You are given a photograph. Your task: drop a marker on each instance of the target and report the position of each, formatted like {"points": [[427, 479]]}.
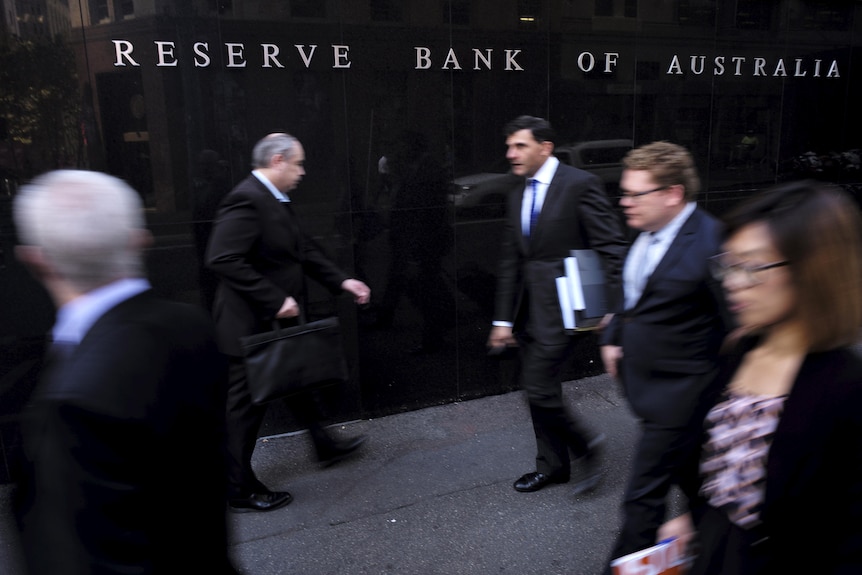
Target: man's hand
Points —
{"points": [[361, 293], [288, 309], [606, 319], [611, 356], [501, 337], [680, 527]]}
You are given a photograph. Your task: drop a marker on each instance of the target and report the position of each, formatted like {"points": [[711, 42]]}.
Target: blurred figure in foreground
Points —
{"points": [[124, 435], [663, 343], [780, 464]]}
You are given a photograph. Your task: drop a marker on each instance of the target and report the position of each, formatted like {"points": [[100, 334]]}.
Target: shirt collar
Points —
{"points": [[671, 229], [545, 174], [76, 318], [279, 195]]}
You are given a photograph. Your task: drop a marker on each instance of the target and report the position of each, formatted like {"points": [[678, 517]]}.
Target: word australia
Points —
{"points": [[739, 66]]}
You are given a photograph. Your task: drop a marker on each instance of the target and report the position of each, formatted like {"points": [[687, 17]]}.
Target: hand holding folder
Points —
{"points": [[582, 293]]}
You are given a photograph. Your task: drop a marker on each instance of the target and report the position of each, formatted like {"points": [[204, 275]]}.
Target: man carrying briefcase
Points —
{"points": [[261, 257]]}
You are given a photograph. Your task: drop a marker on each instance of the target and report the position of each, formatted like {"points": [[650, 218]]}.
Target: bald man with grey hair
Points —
{"points": [[88, 224], [269, 146], [132, 380], [262, 258]]}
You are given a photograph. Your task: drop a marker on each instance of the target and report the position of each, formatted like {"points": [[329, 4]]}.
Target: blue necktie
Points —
{"points": [[534, 213]]}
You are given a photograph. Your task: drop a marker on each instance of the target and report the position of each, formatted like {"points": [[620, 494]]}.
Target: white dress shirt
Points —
{"points": [[76, 318], [279, 195], [543, 178], [647, 251]]}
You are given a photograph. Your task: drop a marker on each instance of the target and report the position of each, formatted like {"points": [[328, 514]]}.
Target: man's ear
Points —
{"points": [[675, 195], [34, 260], [141, 239]]}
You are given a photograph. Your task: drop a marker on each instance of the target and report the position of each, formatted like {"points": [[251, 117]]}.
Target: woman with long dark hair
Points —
{"points": [[780, 464]]}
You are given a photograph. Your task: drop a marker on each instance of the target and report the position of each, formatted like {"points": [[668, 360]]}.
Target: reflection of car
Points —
{"points": [[601, 157], [486, 191]]}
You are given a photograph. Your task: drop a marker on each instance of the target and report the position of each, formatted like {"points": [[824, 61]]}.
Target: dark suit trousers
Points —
{"points": [[655, 468], [556, 430], [243, 424]]}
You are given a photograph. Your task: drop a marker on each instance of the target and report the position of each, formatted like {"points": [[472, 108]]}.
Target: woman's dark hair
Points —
{"points": [[817, 228]]}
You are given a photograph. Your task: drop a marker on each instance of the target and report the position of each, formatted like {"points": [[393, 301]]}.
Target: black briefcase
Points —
{"points": [[286, 361]]}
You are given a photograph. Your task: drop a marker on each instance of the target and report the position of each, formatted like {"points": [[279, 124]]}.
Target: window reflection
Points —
{"points": [[307, 9], [821, 15], [529, 12], [696, 12], [386, 11], [457, 12], [755, 14]]}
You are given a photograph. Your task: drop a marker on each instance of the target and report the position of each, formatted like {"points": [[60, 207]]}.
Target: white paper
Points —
{"points": [[565, 303], [575, 289]]}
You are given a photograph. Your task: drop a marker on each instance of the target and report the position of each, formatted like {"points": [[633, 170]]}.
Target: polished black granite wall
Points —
{"points": [[400, 107]]}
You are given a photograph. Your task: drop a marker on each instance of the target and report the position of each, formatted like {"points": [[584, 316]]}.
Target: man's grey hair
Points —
{"points": [[270, 146], [86, 224]]}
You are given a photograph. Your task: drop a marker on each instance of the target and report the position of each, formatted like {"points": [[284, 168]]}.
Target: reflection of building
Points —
{"points": [[8, 18], [215, 75], [41, 19], [602, 84]]}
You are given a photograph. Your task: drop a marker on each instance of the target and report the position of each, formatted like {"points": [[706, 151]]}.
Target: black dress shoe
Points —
{"points": [[535, 481], [260, 501], [340, 450]]}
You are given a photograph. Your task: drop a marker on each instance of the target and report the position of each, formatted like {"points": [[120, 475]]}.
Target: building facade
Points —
{"points": [[171, 96]]}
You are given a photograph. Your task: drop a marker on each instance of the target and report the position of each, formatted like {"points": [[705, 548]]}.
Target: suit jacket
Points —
{"points": [[812, 508], [671, 337], [576, 214], [261, 256], [124, 442]]}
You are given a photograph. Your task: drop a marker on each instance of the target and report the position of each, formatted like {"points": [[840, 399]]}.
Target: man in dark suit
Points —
{"points": [[556, 209], [261, 256], [124, 435], [664, 342]]}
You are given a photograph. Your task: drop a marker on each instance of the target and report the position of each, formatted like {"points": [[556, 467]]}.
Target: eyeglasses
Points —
{"points": [[637, 195], [721, 270]]}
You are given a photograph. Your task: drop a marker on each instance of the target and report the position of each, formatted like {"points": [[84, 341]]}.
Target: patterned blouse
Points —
{"points": [[733, 463]]}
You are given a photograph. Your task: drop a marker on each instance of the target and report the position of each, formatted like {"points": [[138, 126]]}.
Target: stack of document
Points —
{"points": [[666, 558], [582, 294]]}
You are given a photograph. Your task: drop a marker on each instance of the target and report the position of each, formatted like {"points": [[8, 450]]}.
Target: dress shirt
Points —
{"points": [[543, 178], [279, 195], [646, 253], [76, 318]]}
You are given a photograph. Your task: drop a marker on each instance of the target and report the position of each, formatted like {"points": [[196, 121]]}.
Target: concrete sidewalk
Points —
{"points": [[430, 493]]}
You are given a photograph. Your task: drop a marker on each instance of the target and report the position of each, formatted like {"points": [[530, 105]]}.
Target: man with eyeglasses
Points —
{"points": [[662, 346]]}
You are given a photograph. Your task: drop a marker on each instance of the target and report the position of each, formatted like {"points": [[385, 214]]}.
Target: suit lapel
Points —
{"points": [[293, 226], [675, 251], [284, 215], [516, 201], [55, 380], [552, 198]]}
